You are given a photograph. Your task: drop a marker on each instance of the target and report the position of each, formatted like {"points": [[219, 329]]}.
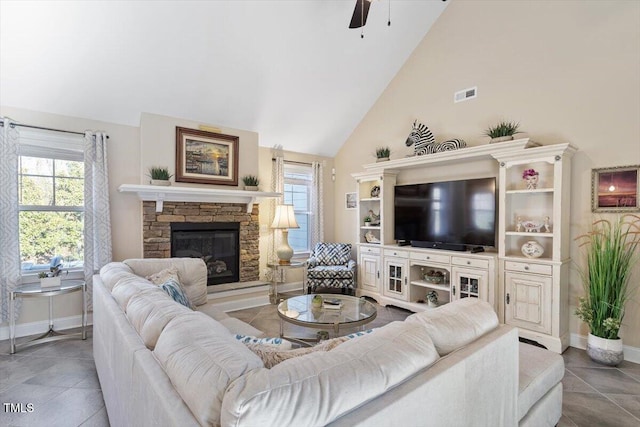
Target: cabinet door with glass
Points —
{"points": [[395, 278], [469, 283]]}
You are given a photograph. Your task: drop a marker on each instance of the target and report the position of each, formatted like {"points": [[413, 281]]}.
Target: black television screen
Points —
{"points": [[451, 212]]}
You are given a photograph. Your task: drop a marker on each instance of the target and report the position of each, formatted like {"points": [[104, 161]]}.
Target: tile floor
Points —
{"points": [[59, 378]]}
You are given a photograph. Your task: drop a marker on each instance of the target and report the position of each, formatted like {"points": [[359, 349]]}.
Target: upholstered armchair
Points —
{"points": [[331, 266]]}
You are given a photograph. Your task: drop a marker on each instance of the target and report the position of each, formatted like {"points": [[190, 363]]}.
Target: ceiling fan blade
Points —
{"points": [[359, 18]]}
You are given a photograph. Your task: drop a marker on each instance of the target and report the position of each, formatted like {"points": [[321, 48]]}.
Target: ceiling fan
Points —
{"points": [[360, 13]]}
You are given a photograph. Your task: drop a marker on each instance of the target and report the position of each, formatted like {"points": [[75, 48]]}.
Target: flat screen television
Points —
{"points": [[446, 215]]}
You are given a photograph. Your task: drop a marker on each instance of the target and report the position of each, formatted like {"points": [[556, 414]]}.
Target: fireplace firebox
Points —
{"points": [[216, 243]]}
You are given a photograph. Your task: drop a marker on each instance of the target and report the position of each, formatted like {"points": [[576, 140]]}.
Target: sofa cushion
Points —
{"points": [[330, 271], [111, 273], [127, 287], [272, 342], [540, 371], [202, 358], [457, 324], [149, 313], [317, 388], [176, 292], [192, 273]]}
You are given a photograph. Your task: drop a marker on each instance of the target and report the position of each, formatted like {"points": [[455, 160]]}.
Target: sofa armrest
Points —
{"points": [[351, 265], [312, 262]]}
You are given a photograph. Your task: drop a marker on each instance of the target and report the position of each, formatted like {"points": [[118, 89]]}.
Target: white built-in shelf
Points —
{"points": [[425, 284], [160, 194], [480, 152], [370, 227], [371, 199], [524, 233], [537, 190]]}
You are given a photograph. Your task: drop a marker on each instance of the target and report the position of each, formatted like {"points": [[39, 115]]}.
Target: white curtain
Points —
{"points": [[97, 223], [9, 238], [277, 185], [317, 208]]}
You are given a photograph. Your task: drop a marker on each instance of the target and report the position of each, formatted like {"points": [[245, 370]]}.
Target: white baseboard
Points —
{"points": [[42, 326], [631, 354]]}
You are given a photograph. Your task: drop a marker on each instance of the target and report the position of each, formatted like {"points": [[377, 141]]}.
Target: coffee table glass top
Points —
{"points": [[300, 310]]}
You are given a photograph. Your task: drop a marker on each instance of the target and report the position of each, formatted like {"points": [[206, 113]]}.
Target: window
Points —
{"points": [[297, 191], [51, 204]]}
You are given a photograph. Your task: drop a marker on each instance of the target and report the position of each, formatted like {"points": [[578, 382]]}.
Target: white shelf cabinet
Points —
{"points": [[369, 269], [375, 196], [534, 291]]}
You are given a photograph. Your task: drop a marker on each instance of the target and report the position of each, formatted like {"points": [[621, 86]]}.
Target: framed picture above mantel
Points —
{"points": [[206, 157], [615, 189]]}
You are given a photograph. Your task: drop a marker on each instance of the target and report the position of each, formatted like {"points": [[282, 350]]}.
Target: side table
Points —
{"points": [[34, 290], [276, 268]]}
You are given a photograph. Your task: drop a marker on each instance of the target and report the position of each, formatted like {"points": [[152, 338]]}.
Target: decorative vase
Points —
{"points": [[251, 188], [501, 139], [531, 182], [606, 351], [367, 223], [432, 303], [532, 249], [161, 182], [316, 302]]}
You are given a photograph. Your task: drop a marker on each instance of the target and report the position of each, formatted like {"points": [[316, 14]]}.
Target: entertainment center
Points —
{"points": [[524, 276]]}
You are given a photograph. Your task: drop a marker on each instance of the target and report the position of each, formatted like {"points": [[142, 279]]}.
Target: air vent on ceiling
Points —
{"points": [[465, 94]]}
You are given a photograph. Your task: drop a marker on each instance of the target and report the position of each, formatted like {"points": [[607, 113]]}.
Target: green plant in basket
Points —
{"points": [[250, 180], [611, 250], [159, 173], [383, 152], [502, 129]]}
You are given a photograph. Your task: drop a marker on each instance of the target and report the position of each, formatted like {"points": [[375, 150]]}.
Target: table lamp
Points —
{"points": [[284, 219]]}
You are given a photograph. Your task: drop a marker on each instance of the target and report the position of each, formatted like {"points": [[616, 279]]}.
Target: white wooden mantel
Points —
{"points": [[159, 194]]}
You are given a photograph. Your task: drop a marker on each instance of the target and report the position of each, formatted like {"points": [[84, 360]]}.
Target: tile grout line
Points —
{"points": [[600, 393]]}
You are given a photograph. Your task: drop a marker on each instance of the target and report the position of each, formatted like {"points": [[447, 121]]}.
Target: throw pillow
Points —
{"points": [[162, 276], [175, 291], [273, 342]]}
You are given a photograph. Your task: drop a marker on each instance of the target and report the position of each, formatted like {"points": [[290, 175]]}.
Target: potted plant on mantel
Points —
{"points": [[382, 154], [159, 176], [250, 182], [611, 252], [503, 131]]}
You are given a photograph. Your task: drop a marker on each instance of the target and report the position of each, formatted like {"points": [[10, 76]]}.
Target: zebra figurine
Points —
{"points": [[425, 143], [422, 137]]}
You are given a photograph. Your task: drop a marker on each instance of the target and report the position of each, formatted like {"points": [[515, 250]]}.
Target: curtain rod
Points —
{"points": [[51, 129], [293, 162]]}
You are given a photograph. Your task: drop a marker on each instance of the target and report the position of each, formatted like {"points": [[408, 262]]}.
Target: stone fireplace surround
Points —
{"points": [[156, 229]]}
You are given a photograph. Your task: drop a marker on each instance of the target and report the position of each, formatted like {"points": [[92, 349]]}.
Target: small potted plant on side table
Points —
{"points": [[51, 279]]}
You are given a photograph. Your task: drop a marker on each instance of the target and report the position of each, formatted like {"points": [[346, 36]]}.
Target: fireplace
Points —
{"points": [[216, 243]]}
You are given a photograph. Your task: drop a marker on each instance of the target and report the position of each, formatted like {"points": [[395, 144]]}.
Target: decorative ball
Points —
{"points": [[532, 249]]}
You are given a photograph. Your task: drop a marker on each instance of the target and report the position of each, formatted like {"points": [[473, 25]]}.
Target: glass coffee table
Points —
{"points": [[299, 310]]}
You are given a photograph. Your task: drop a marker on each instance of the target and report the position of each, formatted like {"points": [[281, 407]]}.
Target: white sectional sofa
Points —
{"points": [[163, 364]]}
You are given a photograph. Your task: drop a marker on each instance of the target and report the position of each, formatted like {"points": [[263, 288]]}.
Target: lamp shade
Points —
{"points": [[284, 217]]}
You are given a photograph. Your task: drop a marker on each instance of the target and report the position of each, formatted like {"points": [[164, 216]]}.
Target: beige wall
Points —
{"points": [[568, 71]]}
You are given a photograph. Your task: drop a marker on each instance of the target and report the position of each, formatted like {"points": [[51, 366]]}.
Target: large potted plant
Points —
{"points": [[611, 250]]}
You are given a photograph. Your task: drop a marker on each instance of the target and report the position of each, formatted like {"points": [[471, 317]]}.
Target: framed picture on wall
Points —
{"points": [[615, 189], [351, 200], [206, 157]]}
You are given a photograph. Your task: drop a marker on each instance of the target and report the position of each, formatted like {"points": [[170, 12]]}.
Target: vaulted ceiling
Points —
{"points": [[290, 70]]}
